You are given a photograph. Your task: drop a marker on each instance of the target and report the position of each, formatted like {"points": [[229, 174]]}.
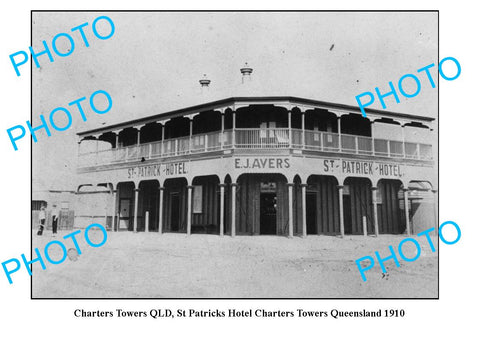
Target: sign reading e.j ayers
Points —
{"points": [[262, 163], [157, 170]]}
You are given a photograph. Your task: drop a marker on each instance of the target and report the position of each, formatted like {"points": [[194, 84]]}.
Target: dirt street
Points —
{"points": [[139, 265]]}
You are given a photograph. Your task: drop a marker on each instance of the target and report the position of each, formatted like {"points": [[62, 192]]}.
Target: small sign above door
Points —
{"points": [[268, 187]]}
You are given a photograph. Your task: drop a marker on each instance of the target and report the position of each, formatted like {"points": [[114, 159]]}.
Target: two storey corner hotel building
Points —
{"points": [[264, 165]]}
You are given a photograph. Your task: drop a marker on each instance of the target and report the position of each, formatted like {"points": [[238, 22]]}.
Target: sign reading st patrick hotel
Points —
{"points": [[333, 166], [158, 170]]}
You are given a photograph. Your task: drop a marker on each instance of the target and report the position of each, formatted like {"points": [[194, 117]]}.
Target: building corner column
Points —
{"points": [[375, 210], [290, 129], [290, 209], [339, 128], [303, 130], [96, 150], [190, 136], [304, 210], [222, 135], [138, 135], [114, 208], [340, 204], [160, 210], [189, 209], [135, 214], [222, 209], [372, 137], [162, 149], [234, 126], [234, 202], [407, 213]]}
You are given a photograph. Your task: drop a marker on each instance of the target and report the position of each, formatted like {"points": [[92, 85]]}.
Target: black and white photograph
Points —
{"points": [[237, 171], [226, 156]]}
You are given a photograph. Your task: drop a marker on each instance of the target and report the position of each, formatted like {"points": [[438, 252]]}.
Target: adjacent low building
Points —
{"points": [[63, 199]]}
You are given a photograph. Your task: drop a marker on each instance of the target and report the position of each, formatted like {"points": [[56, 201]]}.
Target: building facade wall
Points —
{"points": [[278, 165], [321, 176]]}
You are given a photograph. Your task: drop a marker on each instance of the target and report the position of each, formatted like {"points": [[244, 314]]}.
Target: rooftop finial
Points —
{"points": [[204, 82], [246, 72]]}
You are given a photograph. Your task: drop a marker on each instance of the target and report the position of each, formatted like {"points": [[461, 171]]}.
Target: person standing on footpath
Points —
{"points": [[41, 216], [54, 220]]}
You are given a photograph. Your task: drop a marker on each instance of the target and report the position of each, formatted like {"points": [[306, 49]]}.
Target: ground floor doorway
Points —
{"points": [[268, 213]]}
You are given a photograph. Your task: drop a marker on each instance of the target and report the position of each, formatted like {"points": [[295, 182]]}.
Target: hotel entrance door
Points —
{"points": [[268, 213]]}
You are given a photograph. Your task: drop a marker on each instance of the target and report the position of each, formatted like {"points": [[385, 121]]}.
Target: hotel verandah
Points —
{"points": [[264, 165]]}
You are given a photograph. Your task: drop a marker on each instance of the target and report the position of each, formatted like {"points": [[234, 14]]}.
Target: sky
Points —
{"points": [[154, 60]]}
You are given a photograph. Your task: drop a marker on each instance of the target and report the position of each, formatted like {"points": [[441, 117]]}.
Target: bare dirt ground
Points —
{"points": [[152, 265]]}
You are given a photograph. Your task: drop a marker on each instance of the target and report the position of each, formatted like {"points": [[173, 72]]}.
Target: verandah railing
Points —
{"points": [[272, 138]]}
